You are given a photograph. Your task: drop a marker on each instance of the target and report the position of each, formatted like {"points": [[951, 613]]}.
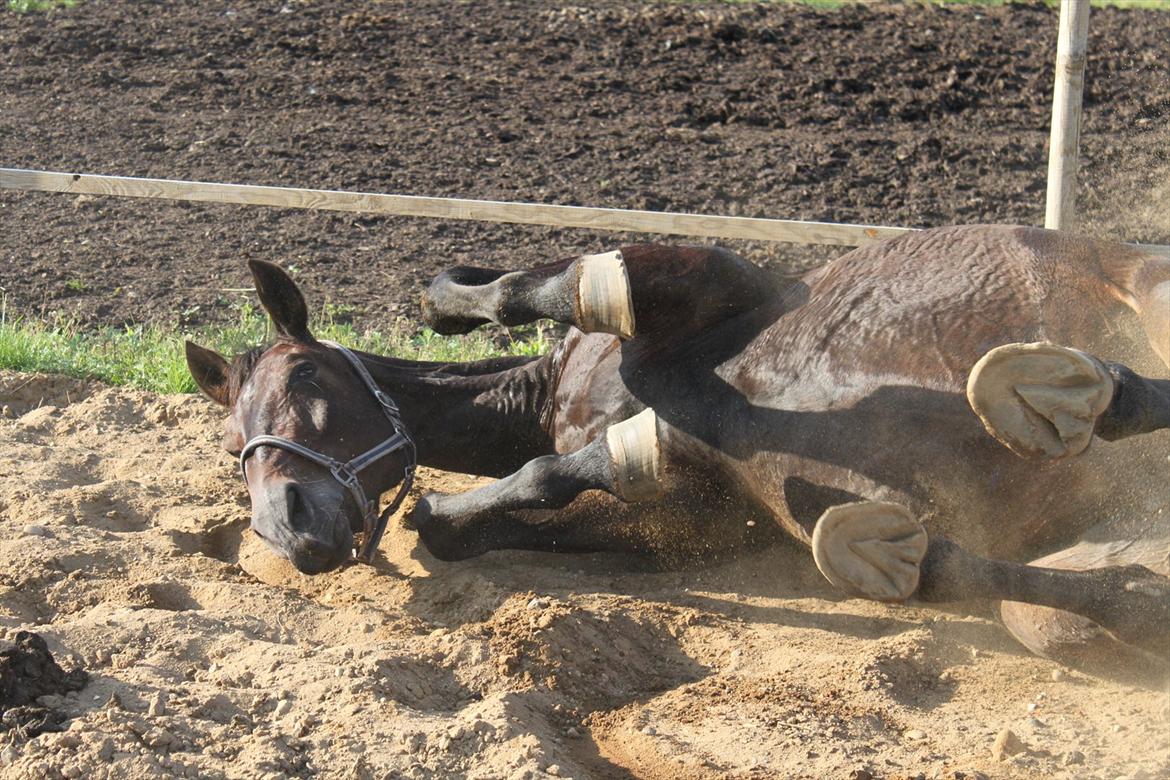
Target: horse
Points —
{"points": [[699, 403]]}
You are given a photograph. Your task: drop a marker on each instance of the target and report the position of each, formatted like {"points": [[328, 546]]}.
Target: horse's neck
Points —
{"points": [[477, 418]]}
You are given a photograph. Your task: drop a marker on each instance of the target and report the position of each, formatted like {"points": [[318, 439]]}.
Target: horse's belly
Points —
{"points": [[928, 452]]}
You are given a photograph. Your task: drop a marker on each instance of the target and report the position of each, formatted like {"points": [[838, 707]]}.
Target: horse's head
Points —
{"points": [[316, 437]]}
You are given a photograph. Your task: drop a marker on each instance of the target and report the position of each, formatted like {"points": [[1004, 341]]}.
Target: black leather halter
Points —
{"points": [[347, 473]]}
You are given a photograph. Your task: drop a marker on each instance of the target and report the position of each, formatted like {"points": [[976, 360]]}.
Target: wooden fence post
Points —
{"points": [[1064, 142]]}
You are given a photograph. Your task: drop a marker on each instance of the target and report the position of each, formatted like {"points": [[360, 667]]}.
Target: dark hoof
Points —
{"points": [[445, 300], [436, 531]]}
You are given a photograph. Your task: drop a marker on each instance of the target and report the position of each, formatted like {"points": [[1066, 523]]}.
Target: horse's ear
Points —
{"points": [[210, 371], [282, 300]]}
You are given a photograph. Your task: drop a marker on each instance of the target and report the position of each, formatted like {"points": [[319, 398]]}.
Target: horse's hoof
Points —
{"points": [[604, 304], [435, 530], [871, 549], [635, 454], [1039, 400], [451, 297]]}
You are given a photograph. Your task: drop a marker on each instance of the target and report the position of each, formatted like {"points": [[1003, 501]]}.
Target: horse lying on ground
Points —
{"points": [[695, 392]]}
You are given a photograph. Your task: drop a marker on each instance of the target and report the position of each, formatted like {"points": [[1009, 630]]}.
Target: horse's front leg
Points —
{"points": [[625, 462], [1130, 601], [652, 291]]}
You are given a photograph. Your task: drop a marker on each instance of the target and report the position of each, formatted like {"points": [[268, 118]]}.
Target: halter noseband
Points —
{"points": [[347, 473]]}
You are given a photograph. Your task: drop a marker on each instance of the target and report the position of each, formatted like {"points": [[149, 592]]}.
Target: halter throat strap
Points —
{"points": [[346, 473]]}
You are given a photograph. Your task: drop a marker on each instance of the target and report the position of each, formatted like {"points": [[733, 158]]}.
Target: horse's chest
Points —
{"points": [[589, 394]]}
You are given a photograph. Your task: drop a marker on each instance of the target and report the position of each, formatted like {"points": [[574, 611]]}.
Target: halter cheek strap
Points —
{"points": [[347, 473]]}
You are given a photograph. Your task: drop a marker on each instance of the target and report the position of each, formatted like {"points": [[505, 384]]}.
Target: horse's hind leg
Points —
{"points": [[1073, 639], [1044, 400], [880, 551], [1127, 599], [625, 462], [642, 289]]}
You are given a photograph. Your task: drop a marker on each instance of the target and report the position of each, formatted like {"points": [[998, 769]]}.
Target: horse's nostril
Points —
{"points": [[292, 497], [300, 510]]}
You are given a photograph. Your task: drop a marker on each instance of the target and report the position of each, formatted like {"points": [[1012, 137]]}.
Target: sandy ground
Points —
{"points": [[123, 531]]}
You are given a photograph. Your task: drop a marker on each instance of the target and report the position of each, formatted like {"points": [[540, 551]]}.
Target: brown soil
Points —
{"points": [[123, 531], [889, 114]]}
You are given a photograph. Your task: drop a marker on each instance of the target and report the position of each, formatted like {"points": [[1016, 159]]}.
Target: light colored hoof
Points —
{"points": [[871, 549], [634, 452], [604, 304], [1039, 400]]}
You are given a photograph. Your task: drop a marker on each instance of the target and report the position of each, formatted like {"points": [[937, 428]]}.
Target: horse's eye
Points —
{"points": [[303, 372]]}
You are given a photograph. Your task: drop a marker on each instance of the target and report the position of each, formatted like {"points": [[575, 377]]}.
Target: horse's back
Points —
{"points": [[926, 306]]}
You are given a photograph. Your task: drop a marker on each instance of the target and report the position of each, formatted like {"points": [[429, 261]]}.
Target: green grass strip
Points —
{"points": [[151, 358], [27, 6]]}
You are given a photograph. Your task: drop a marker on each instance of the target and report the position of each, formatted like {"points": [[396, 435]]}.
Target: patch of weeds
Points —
{"points": [[152, 358], [339, 312], [29, 6]]}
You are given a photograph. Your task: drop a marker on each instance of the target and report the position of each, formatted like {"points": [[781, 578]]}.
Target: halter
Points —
{"points": [[347, 473]]}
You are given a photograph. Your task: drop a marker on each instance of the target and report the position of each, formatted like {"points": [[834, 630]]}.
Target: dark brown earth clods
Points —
{"points": [[28, 672], [913, 115]]}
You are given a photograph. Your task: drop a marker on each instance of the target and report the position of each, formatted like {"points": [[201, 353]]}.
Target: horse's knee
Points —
{"points": [[1078, 642]]}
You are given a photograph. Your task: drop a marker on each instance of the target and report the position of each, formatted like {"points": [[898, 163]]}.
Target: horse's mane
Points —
{"points": [[241, 368]]}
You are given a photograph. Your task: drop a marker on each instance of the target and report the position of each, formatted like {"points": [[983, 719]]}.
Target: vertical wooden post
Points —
{"points": [[1063, 145]]}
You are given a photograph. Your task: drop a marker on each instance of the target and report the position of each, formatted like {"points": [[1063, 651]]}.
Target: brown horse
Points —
{"points": [[696, 391]]}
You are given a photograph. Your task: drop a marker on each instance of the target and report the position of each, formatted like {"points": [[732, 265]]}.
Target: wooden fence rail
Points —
{"points": [[454, 208], [667, 223]]}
